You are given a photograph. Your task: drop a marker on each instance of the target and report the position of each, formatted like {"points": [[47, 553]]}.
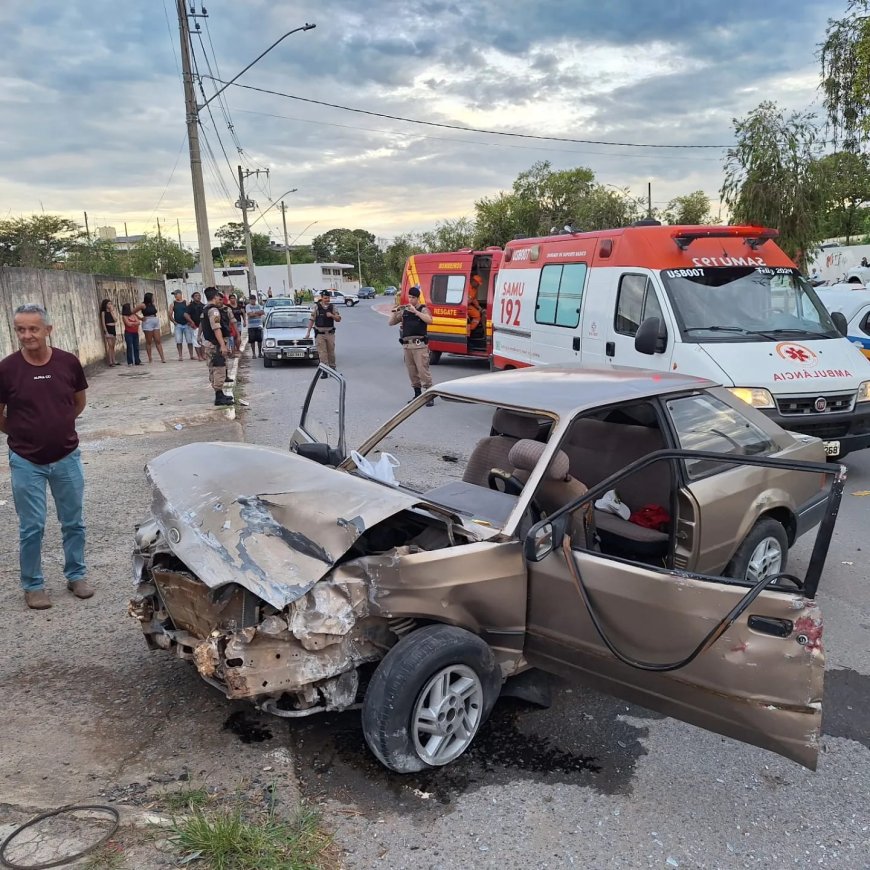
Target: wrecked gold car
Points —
{"points": [[467, 543]]}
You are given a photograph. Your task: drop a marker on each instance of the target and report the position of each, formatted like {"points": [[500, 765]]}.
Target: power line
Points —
{"points": [[171, 39], [475, 142], [466, 129], [171, 174]]}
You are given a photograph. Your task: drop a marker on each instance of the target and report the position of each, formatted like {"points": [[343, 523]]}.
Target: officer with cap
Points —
{"points": [[324, 316], [415, 319]]}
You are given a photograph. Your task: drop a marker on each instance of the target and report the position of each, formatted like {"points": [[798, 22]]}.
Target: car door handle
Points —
{"points": [[610, 348], [771, 625], [576, 342]]}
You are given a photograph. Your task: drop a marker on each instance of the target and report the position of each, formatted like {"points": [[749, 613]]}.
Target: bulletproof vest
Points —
{"points": [[321, 321], [205, 323], [412, 326]]}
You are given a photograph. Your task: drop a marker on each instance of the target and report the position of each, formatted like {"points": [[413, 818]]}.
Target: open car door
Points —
{"points": [[738, 659], [320, 433]]}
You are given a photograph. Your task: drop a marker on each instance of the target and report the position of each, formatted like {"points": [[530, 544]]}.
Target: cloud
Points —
{"points": [[93, 101]]}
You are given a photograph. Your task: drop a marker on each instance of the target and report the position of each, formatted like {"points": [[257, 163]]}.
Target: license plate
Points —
{"points": [[832, 448], [298, 353]]}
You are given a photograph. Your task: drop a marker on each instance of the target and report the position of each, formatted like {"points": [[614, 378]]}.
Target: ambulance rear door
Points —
{"points": [[636, 297]]}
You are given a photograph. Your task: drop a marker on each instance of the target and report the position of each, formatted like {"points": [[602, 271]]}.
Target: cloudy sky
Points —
{"points": [[93, 110]]}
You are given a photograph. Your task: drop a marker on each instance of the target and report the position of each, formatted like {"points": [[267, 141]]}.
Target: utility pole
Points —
{"points": [[358, 264], [649, 198], [192, 112], [178, 227], [287, 250], [245, 204], [87, 228], [159, 234]]}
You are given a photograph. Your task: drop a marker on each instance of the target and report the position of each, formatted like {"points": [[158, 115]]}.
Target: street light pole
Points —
{"points": [[192, 115], [192, 110], [287, 250], [358, 264]]}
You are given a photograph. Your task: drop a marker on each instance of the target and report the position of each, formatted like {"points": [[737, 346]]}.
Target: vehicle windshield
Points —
{"points": [[445, 453], [745, 303], [287, 320]]}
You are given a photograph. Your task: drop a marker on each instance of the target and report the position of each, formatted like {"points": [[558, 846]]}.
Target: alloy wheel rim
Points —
{"points": [[447, 714], [766, 560]]}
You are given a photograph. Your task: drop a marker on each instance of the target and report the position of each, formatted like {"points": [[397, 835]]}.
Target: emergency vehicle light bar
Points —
{"points": [[754, 236]]}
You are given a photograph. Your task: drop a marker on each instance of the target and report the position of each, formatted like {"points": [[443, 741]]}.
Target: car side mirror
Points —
{"points": [[840, 322], [651, 337], [543, 538], [321, 453]]}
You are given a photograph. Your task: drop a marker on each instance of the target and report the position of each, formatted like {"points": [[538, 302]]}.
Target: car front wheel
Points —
{"points": [[763, 553], [267, 363], [428, 698], [434, 357]]}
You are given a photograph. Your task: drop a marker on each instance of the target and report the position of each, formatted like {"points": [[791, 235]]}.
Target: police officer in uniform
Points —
{"points": [[215, 326], [324, 316], [413, 336]]}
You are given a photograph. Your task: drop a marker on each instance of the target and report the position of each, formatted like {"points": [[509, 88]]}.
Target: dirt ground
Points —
{"points": [[89, 715]]}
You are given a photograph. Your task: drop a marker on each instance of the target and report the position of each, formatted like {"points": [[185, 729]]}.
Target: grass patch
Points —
{"points": [[185, 800], [227, 840], [108, 857]]}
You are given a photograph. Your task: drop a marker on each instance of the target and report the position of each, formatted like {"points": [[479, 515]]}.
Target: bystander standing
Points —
{"points": [[254, 313], [42, 392], [132, 322], [181, 322], [107, 322], [194, 312]]}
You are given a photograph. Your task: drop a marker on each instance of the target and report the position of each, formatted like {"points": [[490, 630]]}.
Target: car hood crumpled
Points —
{"points": [[266, 519]]}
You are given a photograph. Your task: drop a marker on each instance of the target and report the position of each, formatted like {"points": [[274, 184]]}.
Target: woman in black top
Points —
{"points": [[107, 322], [150, 325]]}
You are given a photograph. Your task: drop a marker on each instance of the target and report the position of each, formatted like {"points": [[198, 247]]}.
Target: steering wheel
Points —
{"points": [[501, 481]]}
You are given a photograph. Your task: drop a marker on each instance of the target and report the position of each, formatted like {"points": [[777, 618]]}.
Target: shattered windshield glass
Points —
{"points": [[746, 303]]}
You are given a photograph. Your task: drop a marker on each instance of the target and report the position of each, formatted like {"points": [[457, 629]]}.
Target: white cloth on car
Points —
{"points": [[611, 503]]}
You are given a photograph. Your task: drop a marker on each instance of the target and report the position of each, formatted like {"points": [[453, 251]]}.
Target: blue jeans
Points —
{"points": [[131, 339], [67, 481]]}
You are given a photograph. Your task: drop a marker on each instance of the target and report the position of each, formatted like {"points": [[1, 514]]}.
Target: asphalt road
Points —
{"points": [[592, 781]]}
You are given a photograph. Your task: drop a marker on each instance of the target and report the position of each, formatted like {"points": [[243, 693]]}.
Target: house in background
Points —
{"points": [[121, 243], [305, 276]]}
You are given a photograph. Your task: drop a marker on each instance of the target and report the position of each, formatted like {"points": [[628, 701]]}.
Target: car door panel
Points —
{"points": [[322, 419], [749, 685]]}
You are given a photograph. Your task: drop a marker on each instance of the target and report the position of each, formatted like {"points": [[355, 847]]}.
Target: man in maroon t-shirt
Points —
{"points": [[42, 392]]}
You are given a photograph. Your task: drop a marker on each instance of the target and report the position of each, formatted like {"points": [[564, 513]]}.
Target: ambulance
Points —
{"points": [[854, 305], [448, 283], [723, 303]]}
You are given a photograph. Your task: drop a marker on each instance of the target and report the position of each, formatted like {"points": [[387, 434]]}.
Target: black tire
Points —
{"points": [[434, 357], [400, 680], [766, 529], [267, 363]]}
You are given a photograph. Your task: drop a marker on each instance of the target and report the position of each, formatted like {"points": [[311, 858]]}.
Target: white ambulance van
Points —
{"points": [[723, 303]]}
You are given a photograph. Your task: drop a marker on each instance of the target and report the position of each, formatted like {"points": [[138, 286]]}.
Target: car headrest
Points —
{"points": [[525, 455], [514, 425]]}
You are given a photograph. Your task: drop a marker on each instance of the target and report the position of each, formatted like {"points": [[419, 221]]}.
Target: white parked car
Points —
{"points": [[284, 335], [336, 297]]}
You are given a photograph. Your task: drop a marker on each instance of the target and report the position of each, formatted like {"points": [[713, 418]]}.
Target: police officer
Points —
{"points": [[215, 326], [324, 316], [415, 319]]}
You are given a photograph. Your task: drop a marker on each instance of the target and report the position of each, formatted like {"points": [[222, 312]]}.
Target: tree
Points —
{"points": [[396, 255], [845, 59], [38, 241], [693, 208], [154, 257], [772, 176], [99, 257], [342, 245], [232, 238], [603, 208], [449, 235], [846, 179]]}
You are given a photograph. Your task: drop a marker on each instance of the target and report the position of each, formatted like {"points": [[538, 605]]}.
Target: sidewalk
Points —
{"points": [[153, 397]]}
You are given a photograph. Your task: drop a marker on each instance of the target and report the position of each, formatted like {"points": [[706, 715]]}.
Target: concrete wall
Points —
{"points": [[72, 300]]}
